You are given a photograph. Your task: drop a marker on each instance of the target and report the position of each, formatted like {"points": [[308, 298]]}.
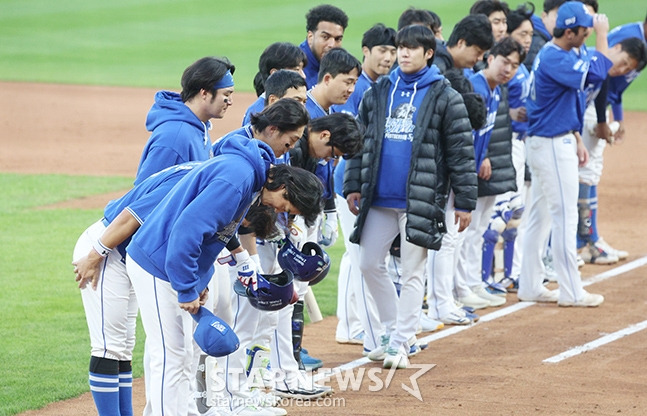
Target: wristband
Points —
{"points": [[100, 248]]}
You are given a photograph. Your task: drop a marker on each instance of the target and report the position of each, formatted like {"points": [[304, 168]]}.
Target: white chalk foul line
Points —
{"points": [[488, 318], [597, 343]]}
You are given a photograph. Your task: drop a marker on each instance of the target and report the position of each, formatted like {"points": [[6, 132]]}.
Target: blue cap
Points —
{"points": [[213, 335], [572, 14]]}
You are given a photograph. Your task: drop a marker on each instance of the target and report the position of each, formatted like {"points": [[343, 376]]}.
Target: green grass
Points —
{"points": [[148, 43]]}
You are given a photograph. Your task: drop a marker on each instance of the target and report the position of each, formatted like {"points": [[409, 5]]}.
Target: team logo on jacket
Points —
{"points": [[399, 124]]}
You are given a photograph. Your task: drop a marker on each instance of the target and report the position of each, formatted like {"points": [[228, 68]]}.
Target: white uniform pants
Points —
{"points": [[591, 173], [553, 211], [470, 252]]}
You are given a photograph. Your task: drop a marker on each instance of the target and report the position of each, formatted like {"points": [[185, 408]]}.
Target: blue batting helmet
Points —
{"points": [[274, 291], [311, 264]]}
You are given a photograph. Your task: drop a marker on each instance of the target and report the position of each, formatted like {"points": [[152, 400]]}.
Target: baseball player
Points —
{"points": [[354, 310], [277, 56], [179, 123], [543, 29], [555, 150], [325, 25], [396, 185], [170, 259]]}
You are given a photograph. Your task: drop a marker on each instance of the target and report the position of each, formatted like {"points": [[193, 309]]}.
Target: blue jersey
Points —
{"points": [[178, 136], [492, 99], [183, 235], [617, 85], [557, 81], [325, 170], [592, 89], [518, 89], [141, 200], [312, 69], [256, 107], [364, 82]]}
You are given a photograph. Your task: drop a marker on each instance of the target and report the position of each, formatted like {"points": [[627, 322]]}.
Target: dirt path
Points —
{"points": [[492, 368]]}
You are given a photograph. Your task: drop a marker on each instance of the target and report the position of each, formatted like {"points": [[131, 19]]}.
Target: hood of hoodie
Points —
{"points": [[410, 87], [540, 27], [259, 154], [168, 106]]}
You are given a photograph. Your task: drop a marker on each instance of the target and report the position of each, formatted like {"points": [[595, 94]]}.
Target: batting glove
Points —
{"points": [[247, 269], [329, 232]]}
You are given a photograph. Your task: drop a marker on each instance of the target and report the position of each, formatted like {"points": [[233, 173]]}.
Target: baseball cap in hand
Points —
{"points": [[213, 335], [572, 14]]}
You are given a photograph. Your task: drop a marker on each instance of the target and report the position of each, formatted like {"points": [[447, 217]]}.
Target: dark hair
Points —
{"points": [[286, 114], [279, 55], [346, 134], [522, 13], [378, 35], [325, 13], [487, 7], [262, 221], [280, 81], [474, 29], [636, 49], [552, 4], [413, 16], [507, 46], [474, 102], [559, 32], [302, 188], [415, 36], [593, 3], [437, 21], [203, 75], [338, 61]]}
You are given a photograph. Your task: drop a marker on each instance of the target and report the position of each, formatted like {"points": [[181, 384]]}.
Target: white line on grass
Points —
{"points": [[597, 343], [489, 317]]}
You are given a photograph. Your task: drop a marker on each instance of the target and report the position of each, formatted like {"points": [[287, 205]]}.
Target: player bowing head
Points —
{"points": [[333, 136], [503, 61], [280, 125]]}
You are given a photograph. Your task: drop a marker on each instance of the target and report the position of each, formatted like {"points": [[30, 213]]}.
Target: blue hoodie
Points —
{"points": [[141, 200], [183, 235], [405, 98], [540, 27], [178, 136], [312, 69]]}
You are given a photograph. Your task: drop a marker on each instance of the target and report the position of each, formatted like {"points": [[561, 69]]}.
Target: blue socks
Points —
{"points": [[126, 388], [104, 385]]}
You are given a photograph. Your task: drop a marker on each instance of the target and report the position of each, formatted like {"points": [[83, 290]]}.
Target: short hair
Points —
{"points": [[437, 21], [302, 188], [203, 74], [559, 32], [593, 3], [415, 36], [262, 221], [281, 81], [346, 134], [286, 114], [552, 4], [325, 13], [415, 16], [519, 15], [474, 29], [278, 55], [636, 49], [378, 35], [507, 46], [487, 7], [338, 61]]}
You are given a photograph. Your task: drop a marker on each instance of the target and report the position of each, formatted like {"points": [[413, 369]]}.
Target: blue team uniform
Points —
{"points": [[492, 99], [312, 69], [178, 136], [324, 171], [557, 107], [518, 89], [256, 107], [184, 234], [364, 82], [617, 85]]}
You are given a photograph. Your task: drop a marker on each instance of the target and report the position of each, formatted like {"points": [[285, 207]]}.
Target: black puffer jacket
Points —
{"points": [[442, 150], [499, 151]]}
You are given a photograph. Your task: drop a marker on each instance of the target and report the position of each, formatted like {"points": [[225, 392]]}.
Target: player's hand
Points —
{"points": [[602, 131], [191, 307], [620, 134], [600, 23], [485, 172], [204, 295], [353, 202], [463, 219], [247, 269], [87, 269], [329, 229], [518, 114], [582, 154]]}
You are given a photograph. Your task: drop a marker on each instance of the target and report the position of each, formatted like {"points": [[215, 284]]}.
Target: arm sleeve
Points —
{"points": [[601, 102]]}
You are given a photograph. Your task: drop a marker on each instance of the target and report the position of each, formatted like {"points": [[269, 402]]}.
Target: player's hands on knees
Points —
{"points": [[191, 307], [620, 134], [247, 269], [602, 131], [353, 202], [87, 270]]}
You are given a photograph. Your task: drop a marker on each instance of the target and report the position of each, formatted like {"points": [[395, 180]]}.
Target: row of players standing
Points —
{"points": [[405, 92]]}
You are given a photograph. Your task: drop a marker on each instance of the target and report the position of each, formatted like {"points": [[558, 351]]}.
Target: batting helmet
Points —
{"points": [[311, 264], [274, 291]]}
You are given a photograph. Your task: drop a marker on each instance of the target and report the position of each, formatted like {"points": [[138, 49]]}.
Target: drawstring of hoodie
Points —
{"points": [[392, 95]]}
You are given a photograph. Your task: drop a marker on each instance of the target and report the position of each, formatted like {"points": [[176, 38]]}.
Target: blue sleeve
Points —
{"points": [[598, 68], [142, 207], [157, 158], [199, 221], [574, 73]]}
